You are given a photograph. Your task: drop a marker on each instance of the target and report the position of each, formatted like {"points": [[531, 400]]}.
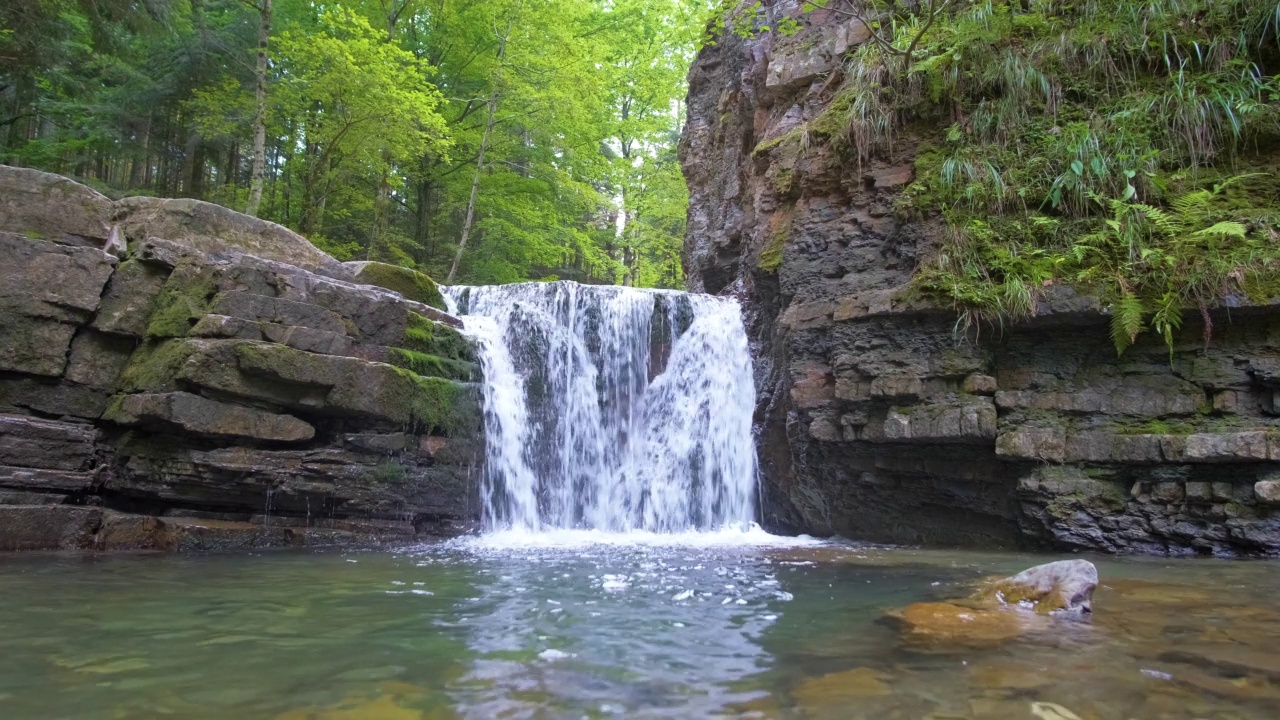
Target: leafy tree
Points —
{"points": [[502, 140]]}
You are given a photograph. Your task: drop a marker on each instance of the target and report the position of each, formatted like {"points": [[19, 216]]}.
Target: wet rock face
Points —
{"points": [[216, 385], [879, 420]]}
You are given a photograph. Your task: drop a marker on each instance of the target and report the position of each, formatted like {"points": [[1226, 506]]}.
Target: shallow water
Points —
{"points": [[737, 628]]}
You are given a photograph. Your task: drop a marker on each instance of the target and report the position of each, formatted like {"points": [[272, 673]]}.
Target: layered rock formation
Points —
{"points": [[177, 375], [880, 420]]}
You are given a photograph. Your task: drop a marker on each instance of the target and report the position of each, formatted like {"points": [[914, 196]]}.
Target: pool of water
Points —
{"points": [[521, 629]]}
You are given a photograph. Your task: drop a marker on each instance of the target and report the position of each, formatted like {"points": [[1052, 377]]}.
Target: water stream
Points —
{"points": [[626, 630], [613, 409], [620, 577]]}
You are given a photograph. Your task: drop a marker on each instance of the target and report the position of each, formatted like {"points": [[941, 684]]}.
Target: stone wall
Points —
{"points": [[174, 375], [880, 419]]}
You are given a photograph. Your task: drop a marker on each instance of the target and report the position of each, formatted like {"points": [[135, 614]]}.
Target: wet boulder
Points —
{"points": [[1029, 602], [1065, 586]]}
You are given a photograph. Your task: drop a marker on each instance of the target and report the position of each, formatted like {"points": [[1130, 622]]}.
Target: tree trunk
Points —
{"points": [[379, 246], [258, 173], [309, 223], [484, 145], [141, 156]]}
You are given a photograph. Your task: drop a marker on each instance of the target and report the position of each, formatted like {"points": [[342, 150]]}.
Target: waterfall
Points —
{"points": [[612, 408]]}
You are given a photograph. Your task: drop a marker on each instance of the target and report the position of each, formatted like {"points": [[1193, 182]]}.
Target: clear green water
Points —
{"points": [[446, 631]]}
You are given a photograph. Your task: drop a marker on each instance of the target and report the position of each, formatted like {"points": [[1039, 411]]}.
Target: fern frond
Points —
{"points": [[1191, 204], [1224, 229], [1167, 224], [1126, 322]]}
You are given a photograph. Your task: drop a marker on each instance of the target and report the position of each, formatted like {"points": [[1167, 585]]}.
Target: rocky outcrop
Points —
{"points": [[221, 383], [879, 419]]}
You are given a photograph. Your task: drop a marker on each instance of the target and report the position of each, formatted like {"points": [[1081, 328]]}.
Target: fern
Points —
{"points": [[1224, 229], [1167, 319], [1126, 322]]}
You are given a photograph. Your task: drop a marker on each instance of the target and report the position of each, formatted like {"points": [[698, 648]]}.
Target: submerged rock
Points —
{"points": [[946, 623], [831, 695], [1004, 609]]}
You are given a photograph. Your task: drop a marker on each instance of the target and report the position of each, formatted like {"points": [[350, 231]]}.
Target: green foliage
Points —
{"points": [[1090, 144], [342, 251], [375, 114]]}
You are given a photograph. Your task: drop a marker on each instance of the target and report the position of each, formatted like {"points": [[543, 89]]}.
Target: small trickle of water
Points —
{"points": [[612, 408]]}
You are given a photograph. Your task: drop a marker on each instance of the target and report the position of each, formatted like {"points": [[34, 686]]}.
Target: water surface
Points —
{"points": [[523, 629]]}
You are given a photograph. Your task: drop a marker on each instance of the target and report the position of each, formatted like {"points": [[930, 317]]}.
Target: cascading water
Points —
{"points": [[612, 408]]}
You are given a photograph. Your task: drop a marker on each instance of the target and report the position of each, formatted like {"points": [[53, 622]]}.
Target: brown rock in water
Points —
{"points": [[47, 527], [842, 688], [944, 623], [1004, 609]]}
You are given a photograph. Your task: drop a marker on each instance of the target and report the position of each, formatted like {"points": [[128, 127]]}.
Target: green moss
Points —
{"points": [[770, 258], [921, 197], [433, 338], [153, 365], [771, 253], [432, 365], [795, 135], [782, 181], [388, 472], [180, 304], [409, 283], [441, 406]]}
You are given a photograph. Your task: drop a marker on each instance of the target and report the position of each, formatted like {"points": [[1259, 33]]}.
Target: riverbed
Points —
{"points": [[572, 627]]}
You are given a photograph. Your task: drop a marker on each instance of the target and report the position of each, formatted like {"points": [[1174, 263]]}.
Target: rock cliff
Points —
{"points": [[880, 419], [175, 375]]}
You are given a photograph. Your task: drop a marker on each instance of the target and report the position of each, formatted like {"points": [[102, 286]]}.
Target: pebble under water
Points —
{"points": [[563, 625]]}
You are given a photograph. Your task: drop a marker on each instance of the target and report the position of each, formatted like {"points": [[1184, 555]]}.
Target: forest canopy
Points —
{"points": [[480, 141]]}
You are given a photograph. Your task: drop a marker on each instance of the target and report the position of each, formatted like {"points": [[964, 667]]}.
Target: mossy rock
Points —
{"points": [[153, 365], [412, 284], [441, 406], [428, 337], [432, 365], [185, 298]]}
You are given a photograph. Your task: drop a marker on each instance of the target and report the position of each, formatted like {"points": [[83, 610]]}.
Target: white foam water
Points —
{"points": [[612, 409]]}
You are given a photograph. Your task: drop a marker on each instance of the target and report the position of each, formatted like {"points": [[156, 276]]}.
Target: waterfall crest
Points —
{"points": [[612, 408]]}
